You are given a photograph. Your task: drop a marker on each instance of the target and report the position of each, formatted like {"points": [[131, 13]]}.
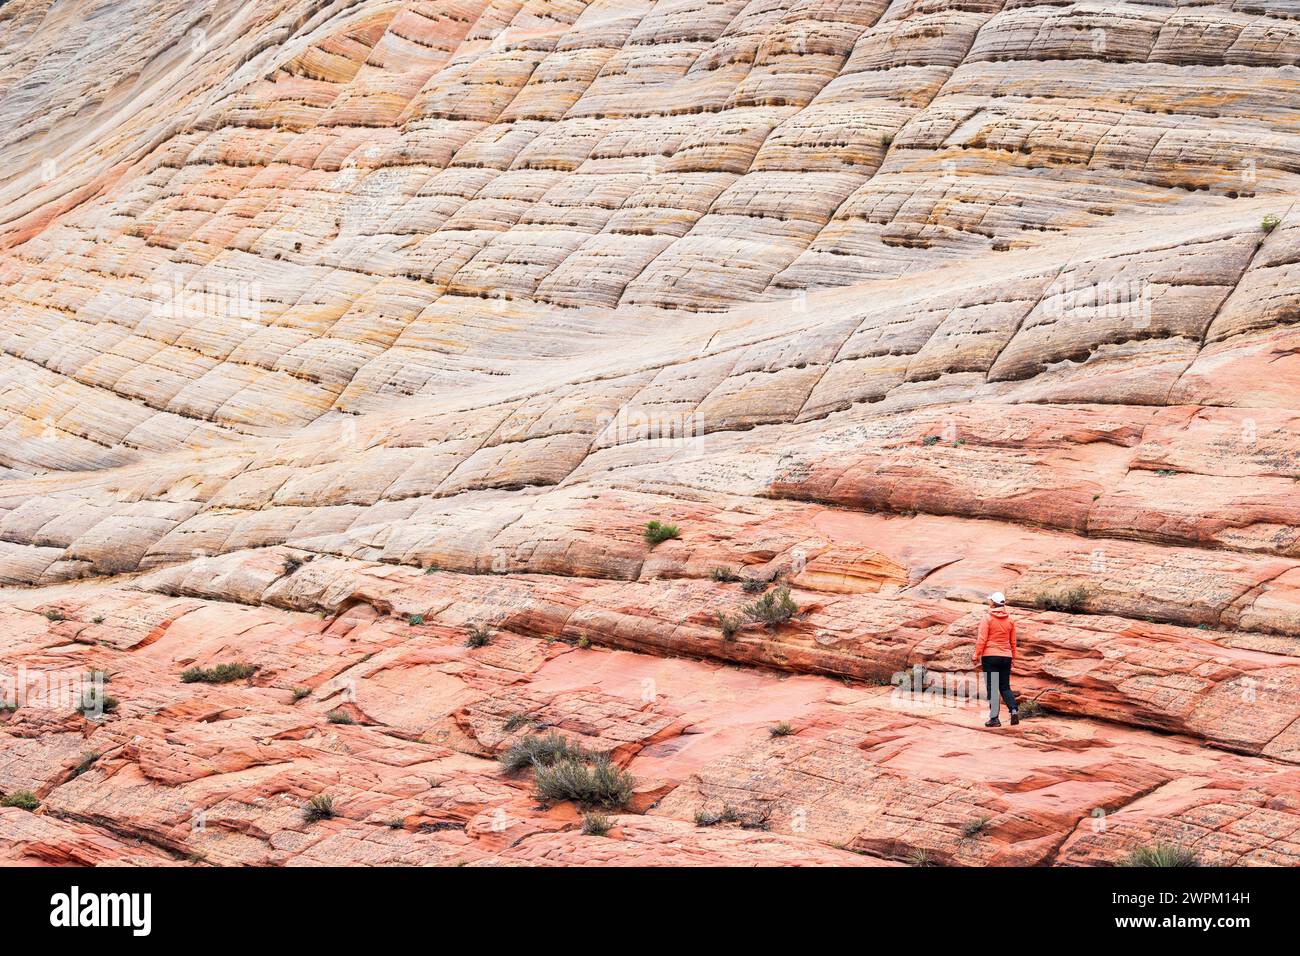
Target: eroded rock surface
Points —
{"points": [[331, 333]]}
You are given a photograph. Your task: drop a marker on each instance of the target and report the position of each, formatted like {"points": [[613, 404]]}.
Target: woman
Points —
{"points": [[996, 649]]}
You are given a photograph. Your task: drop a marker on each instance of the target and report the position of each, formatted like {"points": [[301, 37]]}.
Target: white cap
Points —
{"points": [[997, 597]]}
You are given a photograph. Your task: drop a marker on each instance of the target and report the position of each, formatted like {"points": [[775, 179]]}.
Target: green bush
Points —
{"points": [[729, 625], [87, 761], [929, 440], [320, 807], [596, 824], [753, 586], [656, 532], [415, 620], [22, 799], [340, 717], [1269, 222], [479, 636], [538, 751], [517, 720], [221, 674], [1161, 854], [705, 817], [597, 783], [973, 828], [773, 609], [92, 703], [1068, 601]]}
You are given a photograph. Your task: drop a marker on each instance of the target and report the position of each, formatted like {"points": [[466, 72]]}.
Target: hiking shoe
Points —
{"points": [[993, 722], [1015, 717]]}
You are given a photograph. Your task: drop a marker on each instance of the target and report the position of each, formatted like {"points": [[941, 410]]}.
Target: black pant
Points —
{"points": [[997, 680]]}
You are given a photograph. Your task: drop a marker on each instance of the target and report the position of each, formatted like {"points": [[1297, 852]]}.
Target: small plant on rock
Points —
{"points": [[973, 828], [657, 532], [95, 702], [517, 720], [781, 730], [1269, 222], [596, 824], [415, 620], [97, 619], [729, 625], [920, 858], [1068, 601], [87, 761], [291, 564], [1030, 708], [22, 799], [704, 817], [340, 717], [320, 807], [479, 636], [538, 751], [220, 674], [1161, 854], [773, 609], [754, 586], [54, 614], [724, 575], [594, 783], [929, 440], [300, 692]]}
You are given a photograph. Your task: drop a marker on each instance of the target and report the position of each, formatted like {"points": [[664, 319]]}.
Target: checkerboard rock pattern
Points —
{"points": [[333, 331]]}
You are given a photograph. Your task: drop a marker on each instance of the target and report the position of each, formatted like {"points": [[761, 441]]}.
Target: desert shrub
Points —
{"points": [[729, 625], [584, 642], [340, 717], [54, 614], [320, 807], [973, 828], [1029, 708], [920, 858], [929, 440], [415, 620], [773, 609], [22, 799], [92, 702], [220, 674], [517, 720], [1269, 222], [596, 824], [1161, 854], [781, 730], [656, 532], [478, 636], [87, 761], [97, 619], [291, 564], [538, 751], [1069, 601], [594, 783], [724, 575], [300, 692], [705, 817]]}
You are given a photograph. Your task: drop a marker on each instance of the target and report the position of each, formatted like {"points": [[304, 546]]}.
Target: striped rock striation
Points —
{"points": [[358, 342]]}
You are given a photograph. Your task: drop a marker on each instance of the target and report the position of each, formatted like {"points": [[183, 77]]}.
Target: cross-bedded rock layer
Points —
{"points": [[330, 331]]}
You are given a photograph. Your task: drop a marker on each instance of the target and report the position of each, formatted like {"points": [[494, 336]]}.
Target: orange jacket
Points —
{"points": [[997, 635]]}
